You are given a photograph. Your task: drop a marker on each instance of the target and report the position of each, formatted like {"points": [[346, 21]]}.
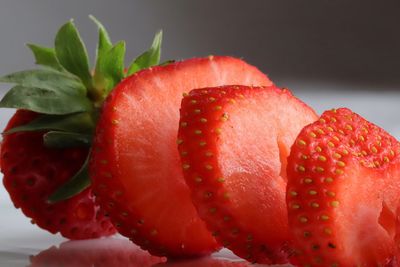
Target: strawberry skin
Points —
{"points": [[233, 142], [397, 238], [342, 192], [32, 172], [135, 167]]}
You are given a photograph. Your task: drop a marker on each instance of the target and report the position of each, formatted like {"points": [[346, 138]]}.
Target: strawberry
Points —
{"points": [[233, 154], [108, 252], [32, 172], [48, 141], [397, 238], [342, 192], [135, 167]]}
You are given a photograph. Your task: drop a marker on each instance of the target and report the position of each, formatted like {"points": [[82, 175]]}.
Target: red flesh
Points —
{"points": [[135, 164], [343, 188], [397, 238], [234, 155]]}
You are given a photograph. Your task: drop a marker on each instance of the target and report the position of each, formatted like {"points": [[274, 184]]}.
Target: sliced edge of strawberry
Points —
{"points": [[342, 192]]}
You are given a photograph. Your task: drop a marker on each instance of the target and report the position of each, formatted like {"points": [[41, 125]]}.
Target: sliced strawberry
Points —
{"points": [[233, 143], [31, 174], [110, 252], [46, 143], [343, 189], [397, 238], [135, 166], [396, 261]]}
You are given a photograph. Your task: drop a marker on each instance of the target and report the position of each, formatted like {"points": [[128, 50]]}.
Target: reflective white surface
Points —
{"points": [[22, 243]]}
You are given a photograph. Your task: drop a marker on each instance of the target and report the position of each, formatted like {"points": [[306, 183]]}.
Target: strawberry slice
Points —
{"points": [[342, 193], [397, 238], [234, 141], [135, 167]]}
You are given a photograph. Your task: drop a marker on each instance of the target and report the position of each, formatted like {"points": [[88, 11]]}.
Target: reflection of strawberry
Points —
{"points": [[32, 172], [205, 262], [234, 157], [343, 189], [47, 142], [135, 165], [108, 252]]}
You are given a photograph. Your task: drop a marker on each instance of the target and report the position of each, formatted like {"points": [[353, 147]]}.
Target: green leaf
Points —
{"points": [[44, 101], [104, 43], [78, 123], [79, 182], [110, 68], [47, 79], [45, 56], [109, 63], [56, 139], [149, 58], [71, 53], [46, 91]]}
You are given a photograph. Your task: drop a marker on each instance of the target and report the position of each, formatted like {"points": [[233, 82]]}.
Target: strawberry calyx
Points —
{"points": [[67, 95]]}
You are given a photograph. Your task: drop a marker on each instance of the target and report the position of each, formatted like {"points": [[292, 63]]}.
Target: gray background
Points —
{"points": [[336, 41]]}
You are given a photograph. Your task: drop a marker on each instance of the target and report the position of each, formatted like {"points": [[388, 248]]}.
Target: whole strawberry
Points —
{"points": [[32, 172], [47, 142]]}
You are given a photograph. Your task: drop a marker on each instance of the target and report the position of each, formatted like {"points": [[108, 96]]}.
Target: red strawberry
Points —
{"points": [[135, 167], [342, 192], [47, 143], [234, 156], [110, 252], [31, 174], [397, 238]]}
